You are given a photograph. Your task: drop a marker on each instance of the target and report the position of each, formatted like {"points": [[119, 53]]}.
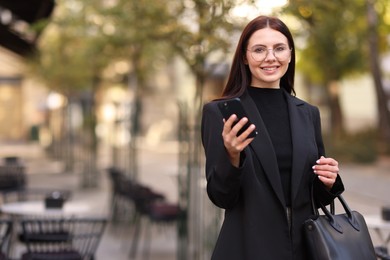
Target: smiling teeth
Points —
{"points": [[269, 69]]}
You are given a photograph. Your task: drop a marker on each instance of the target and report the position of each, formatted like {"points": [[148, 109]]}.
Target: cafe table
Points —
{"points": [[38, 208], [23, 209]]}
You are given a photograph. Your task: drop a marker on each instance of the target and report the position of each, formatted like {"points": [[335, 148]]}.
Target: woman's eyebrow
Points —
{"points": [[263, 45]]}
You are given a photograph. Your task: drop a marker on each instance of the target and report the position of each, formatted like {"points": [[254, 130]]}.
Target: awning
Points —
{"points": [[15, 16]]}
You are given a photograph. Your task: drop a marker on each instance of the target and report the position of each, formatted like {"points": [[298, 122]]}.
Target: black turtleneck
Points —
{"points": [[274, 112]]}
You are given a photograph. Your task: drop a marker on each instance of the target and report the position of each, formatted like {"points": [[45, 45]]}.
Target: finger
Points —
{"points": [[326, 168], [326, 174], [244, 144], [227, 126], [237, 127], [231, 120], [247, 132], [323, 160], [234, 129], [327, 164], [239, 143], [326, 181]]}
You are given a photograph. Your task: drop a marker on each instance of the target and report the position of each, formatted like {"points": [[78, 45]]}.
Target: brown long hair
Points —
{"points": [[240, 76]]}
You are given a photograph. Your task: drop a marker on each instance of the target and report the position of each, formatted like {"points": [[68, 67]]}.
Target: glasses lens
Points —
{"points": [[258, 53], [281, 53]]}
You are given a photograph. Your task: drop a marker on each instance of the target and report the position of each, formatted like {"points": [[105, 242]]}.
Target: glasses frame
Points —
{"points": [[268, 52]]}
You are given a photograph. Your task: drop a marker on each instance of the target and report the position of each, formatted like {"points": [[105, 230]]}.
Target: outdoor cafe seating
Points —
{"points": [[148, 207], [5, 237], [12, 177], [62, 238], [14, 183], [53, 231], [43, 223]]}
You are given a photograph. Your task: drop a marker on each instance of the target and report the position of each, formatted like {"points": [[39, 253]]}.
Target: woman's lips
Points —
{"points": [[270, 69]]}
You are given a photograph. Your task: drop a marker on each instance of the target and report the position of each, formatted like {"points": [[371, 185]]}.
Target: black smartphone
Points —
{"points": [[234, 106]]}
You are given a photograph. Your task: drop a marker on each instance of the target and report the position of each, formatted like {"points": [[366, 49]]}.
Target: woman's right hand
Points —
{"points": [[236, 144]]}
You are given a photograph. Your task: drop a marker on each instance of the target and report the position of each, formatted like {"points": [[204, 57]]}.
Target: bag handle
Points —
{"points": [[315, 209], [330, 214]]}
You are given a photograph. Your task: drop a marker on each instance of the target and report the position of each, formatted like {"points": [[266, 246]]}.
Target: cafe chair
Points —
{"points": [[5, 238], [149, 208], [12, 179], [120, 206], [128, 197], [62, 238], [151, 211], [160, 213]]}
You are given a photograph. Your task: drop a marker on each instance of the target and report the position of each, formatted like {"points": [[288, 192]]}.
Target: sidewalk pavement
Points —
{"points": [[367, 190]]}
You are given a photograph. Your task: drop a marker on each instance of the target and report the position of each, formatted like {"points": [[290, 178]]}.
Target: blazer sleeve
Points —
{"points": [[321, 193], [223, 179]]}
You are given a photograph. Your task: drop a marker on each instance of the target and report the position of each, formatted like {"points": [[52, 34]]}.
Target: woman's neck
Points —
{"points": [[265, 86]]}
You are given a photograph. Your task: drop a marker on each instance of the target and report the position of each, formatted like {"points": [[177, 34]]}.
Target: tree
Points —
{"points": [[200, 35], [137, 37], [86, 37], [333, 49], [375, 41], [72, 54], [340, 41], [192, 30], [137, 31]]}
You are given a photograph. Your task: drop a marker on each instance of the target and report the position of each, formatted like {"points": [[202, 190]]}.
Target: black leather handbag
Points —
{"points": [[338, 236]]}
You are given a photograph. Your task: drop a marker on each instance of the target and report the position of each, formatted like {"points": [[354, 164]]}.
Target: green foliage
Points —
{"points": [[342, 38], [201, 29], [336, 34], [85, 36], [71, 52], [360, 147], [334, 31]]}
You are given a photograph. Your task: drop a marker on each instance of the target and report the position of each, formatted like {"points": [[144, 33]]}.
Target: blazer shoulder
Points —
{"points": [[211, 106], [299, 101]]}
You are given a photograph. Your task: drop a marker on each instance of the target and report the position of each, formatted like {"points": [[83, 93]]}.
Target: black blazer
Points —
{"points": [[255, 225]]}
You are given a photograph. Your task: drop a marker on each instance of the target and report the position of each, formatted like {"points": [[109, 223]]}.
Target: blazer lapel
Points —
{"points": [[298, 124], [263, 148]]}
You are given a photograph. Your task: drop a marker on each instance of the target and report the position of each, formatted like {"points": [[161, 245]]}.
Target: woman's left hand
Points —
{"points": [[326, 170]]}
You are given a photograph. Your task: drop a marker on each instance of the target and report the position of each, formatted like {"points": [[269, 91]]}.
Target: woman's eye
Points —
{"points": [[281, 48], [260, 50]]}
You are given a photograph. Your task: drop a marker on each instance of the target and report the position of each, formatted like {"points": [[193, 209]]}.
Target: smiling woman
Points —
{"points": [[267, 67], [263, 182]]}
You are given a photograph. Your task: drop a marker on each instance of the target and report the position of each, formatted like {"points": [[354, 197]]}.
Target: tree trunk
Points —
{"points": [[134, 129], [189, 231], [382, 99], [336, 114], [90, 172]]}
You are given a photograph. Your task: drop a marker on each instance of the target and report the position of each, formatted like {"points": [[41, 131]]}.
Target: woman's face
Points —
{"points": [[268, 56]]}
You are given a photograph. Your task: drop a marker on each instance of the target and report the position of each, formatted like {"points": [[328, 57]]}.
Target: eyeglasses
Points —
{"points": [[281, 53]]}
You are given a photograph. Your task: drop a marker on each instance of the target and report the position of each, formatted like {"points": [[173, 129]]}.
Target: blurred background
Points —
{"points": [[91, 85]]}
